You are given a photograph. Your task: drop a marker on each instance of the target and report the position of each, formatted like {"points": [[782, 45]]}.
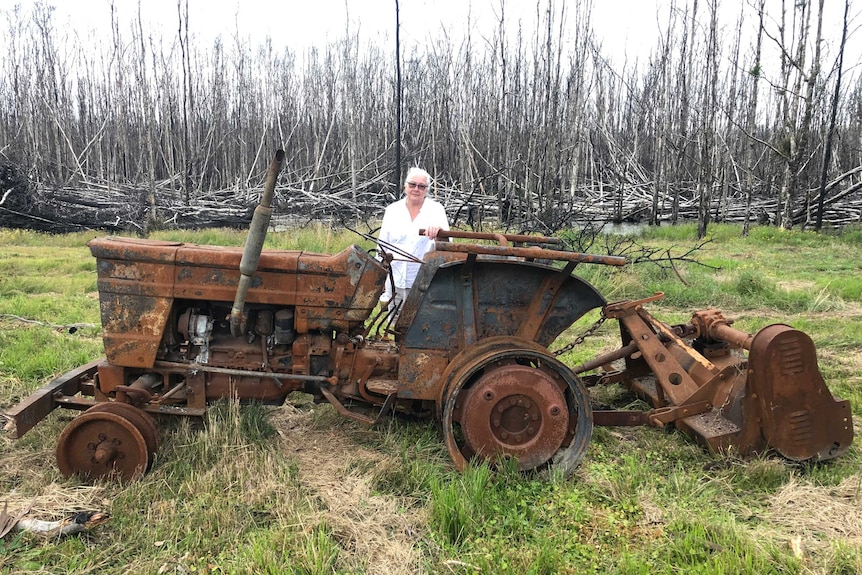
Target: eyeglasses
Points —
{"points": [[415, 185]]}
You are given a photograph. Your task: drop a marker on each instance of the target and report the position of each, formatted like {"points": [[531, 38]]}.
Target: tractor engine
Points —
{"points": [[166, 308]]}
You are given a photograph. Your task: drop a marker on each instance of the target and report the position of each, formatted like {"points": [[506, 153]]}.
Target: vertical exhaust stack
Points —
{"points": [[254, 245]]}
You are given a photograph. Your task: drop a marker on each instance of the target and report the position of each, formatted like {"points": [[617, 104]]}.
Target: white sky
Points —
{"points": [[301, 23], [627, 28]]}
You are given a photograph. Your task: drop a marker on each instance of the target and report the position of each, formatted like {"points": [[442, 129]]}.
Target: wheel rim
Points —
{"points": [[521, 404], [140, 419], [102, 443]]}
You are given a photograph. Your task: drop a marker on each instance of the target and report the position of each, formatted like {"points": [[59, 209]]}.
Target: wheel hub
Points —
{"points": [[105, 452]]}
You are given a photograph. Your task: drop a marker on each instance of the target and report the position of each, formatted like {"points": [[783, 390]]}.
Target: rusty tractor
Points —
{"points": [[184, 325]]}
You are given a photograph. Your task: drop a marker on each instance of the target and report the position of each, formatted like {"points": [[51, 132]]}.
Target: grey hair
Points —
{"points": [[417, 171]]}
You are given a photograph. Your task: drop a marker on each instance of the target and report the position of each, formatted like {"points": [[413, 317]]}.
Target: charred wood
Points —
{"points": [[119, 208]]}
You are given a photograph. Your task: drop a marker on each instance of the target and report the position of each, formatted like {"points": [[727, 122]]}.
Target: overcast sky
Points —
{"points": [[628, 29], [301, 23]]}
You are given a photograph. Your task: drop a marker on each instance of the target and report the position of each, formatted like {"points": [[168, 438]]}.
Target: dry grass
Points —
{"points": [[815, 521], [797, 285], [820, 515], [56, 501], [379, 533]]}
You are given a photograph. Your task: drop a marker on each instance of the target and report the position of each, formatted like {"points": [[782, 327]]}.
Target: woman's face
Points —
{"points": [[415, 188]]}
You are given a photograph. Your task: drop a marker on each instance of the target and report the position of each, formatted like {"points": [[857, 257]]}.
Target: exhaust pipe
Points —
{"points": [[254, 245]]}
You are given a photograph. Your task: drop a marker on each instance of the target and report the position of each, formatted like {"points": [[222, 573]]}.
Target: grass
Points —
{"points": [[299, 489]]}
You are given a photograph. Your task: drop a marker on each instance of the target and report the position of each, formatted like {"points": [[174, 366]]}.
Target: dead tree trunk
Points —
{"points": [[833, 113], [751, 119], [396, 173], [707, 145]]}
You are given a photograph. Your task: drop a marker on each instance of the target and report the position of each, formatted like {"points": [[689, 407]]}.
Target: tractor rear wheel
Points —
{"points": [[516, 403]]}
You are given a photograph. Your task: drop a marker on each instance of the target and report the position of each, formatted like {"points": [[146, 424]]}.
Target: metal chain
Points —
{"points": [[580, 339]]}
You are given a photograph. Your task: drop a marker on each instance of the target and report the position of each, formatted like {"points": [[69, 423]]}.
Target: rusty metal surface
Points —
{"points": [[33, 409], [513, 410], [135, 281], [530, 253], [618, 418], [501, 238], [801, 419], [102, 443], [676, 382], [456, 303], [254, 246], [461, 365], [505, 399], [420, 372], [137, 295], [704, 398], [697, 378], [143, 422], [711, 324]]}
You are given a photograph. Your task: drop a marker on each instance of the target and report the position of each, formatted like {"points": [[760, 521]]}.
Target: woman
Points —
{"points": [[402, 221]]}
